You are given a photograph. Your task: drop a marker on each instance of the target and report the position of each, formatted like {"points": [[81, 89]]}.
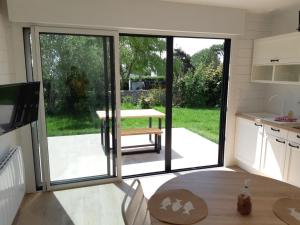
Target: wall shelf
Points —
{"points": [[277, 74]]}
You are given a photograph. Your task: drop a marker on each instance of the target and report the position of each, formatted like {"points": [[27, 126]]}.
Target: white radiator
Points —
{"points": [[12, 185]]}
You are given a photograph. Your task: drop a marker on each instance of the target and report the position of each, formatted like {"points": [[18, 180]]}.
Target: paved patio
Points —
{"points": [[82, 155]]}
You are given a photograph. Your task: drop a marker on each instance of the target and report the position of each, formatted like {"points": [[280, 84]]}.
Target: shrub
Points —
{"points": [[127, 99], [145, 102], [157, 97], [199, 89]]}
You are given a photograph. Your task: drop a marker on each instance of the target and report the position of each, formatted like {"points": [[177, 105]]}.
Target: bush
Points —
{"points": [[145, 102], [212, 86], [157, 97], [126, 99], [199, 89]]}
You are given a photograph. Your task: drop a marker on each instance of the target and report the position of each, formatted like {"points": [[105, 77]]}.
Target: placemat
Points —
{"points": [[288, 210], [178, 206]]}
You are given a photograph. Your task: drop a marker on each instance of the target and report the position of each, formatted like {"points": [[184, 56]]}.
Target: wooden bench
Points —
{"points": [[142, 131]]}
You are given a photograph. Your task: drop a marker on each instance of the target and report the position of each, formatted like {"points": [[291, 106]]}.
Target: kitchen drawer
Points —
{"points": [[294, 137], [275, 131]]}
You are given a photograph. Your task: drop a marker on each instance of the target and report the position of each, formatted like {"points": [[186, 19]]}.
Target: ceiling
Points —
{"points": [[262, 6]]}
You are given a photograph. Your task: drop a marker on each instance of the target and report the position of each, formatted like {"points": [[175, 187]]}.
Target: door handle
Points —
{"points": [[282, 142], [273, 129], [274, 60], [294, 146], [259, 125]]}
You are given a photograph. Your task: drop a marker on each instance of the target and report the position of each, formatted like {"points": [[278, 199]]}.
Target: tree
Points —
{"points": [[201, 85], [181, 64], [142, 56], [185, 59], [62, 53], [209, 56]]}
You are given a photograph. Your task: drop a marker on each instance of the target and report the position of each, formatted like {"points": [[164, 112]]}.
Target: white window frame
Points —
{"points": [[42, 132]]}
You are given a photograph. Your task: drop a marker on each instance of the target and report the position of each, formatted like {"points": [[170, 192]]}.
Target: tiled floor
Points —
{"points": [[82, 155]]}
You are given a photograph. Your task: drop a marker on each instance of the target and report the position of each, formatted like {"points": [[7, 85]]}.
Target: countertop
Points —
{"points": [[268, 119]]}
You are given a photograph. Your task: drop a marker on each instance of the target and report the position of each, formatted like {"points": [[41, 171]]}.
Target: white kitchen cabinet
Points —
{"points": [[248, 142], [262, 73], [282, 49], [277, 59], [293, 164], [275, 131], [273, 157]]}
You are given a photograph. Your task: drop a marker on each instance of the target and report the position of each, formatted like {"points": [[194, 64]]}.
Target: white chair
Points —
{"points": [[135, 206]]}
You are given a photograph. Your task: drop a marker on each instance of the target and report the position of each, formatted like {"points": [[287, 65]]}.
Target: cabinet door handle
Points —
{"points": [[259, 125], [282, 142], [274, 60], [294, 146], [273, 129]]}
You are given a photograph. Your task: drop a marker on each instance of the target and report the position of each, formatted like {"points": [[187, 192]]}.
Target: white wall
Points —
{"points": [[280, 99], [9, 74], [129, 14], [244, 96], [284, 21]]}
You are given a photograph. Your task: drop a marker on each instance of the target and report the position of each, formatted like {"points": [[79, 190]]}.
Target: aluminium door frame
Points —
{"points": [[169, 107], [37, 74]]}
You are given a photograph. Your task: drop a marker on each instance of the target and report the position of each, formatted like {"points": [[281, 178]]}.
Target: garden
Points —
{"points": [[73, 80]]}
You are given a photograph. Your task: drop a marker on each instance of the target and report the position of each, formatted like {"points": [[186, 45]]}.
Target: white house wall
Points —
{"points": [[244, 96], [285, 21], [129, 14], [9, 73]]}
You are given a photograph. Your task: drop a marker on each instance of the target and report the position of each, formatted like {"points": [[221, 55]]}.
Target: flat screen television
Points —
{"points": [[18, 105]]}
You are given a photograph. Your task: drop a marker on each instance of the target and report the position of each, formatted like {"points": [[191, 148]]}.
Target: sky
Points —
{"points": [[193, 45]]}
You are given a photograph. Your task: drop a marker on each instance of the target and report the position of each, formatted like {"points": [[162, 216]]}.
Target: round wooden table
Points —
{"points": [[220, 190]]}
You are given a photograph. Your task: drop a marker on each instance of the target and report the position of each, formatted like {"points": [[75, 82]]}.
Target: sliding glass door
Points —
{"points": [[197, 101], [186, 80], [173, 92], [143, 87], [77, 70]]}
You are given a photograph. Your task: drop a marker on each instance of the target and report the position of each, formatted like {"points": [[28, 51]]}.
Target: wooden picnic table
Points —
{"points": [[136, 113]]}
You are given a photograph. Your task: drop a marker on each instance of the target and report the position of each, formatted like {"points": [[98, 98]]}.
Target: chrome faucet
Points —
{"points": [[283, 102]]}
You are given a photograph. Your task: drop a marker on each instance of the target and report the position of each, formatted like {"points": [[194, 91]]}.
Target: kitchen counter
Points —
{"points": [[268, 119]]}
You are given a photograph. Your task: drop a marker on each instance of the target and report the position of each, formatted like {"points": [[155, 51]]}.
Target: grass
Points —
{"points": [[61, 125], [203, 121]]}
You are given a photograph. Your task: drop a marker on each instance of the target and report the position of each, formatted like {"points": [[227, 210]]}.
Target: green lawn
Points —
{"points": [[202, 121]]}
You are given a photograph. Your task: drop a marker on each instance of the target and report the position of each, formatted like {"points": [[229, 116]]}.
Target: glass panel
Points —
{"points": [[289, 73], [262, 73], [78, 94], [143, 76], [197, 85]]}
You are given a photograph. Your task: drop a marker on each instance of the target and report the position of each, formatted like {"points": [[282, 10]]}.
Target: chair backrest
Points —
{"points": [[135, 207]]}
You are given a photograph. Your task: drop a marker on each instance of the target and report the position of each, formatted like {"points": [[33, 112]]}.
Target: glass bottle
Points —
{"points": [[244, 205]]}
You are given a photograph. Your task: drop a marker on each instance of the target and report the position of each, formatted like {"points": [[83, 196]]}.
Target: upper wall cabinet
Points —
{"points": [[277, 59], [277, 49]]}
